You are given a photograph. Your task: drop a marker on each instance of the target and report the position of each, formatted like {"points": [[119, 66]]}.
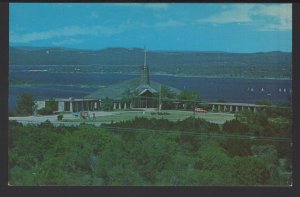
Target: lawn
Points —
{"points": [[173, 115]]}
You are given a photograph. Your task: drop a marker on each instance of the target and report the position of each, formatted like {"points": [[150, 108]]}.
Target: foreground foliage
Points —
{"points": [[88, 155]]}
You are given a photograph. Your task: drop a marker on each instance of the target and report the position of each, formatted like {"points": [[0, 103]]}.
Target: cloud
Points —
{"points": [[98, 30], [281, 14], [235, 14], [155, 6], [35, 36], [65, 32], [67, 42], [262, 17], [162, 24]]}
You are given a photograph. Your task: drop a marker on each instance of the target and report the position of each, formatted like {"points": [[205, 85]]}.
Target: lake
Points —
{"points": [[45, 82]]}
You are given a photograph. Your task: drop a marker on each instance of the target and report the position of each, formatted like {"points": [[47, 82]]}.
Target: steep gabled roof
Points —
{"points": [[144, 87], [115, 91]]}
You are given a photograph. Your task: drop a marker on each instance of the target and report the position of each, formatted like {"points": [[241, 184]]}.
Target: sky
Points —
{"points": [[240, 28]]}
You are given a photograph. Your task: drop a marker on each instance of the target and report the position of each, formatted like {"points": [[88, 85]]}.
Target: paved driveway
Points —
{"points": [[53, 119]]}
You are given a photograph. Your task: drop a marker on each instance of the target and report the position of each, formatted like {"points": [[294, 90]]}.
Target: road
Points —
{"points": [[53, 119]]}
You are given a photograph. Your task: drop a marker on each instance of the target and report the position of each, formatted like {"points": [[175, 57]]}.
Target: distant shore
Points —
{"points": [[219, 77], [153, 73]]}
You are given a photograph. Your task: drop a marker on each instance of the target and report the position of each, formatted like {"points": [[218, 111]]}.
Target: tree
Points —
{"points": [[107, 104], [281, 109], [189, 97], [245, 116], [152, 153], [166, 93], [50, 106], [203, 105], [213, 158], [250, 171], [268, 154], [235, 126], [128, 95], [284, 104], [25, 105], [267, 102]]}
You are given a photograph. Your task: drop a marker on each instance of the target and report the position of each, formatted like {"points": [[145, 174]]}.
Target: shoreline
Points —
{"points": [[183, 75], [157, 73], [219, 77]]}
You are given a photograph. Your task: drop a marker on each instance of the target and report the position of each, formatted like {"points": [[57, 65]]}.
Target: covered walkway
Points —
{"points": [[234, 107]]}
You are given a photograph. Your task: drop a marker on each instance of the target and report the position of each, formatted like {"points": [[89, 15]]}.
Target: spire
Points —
{"points": [[145, 71], [145, 57]]}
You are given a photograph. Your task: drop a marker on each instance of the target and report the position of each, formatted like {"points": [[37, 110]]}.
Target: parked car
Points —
{"points": [[60, 117], [201, 110], [84, 114]]}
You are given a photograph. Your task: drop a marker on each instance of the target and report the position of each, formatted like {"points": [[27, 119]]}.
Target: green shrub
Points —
{"points": [[45, 111]]}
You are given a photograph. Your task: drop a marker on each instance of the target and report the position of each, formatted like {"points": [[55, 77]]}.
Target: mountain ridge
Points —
{"points": [[259, 64], [141, 49]]}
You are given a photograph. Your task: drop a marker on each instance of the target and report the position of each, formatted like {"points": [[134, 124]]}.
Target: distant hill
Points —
{"points": [[218, 64]]}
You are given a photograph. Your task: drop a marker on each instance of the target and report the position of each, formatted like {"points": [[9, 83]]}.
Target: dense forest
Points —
{"points": [[155, 152], [214, 64]]}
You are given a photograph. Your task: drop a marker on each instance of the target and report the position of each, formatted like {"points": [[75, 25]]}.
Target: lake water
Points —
{"points": [[79, 84]]}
